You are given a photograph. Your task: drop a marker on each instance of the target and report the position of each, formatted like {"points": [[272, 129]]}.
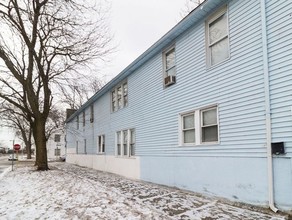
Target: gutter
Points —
{"points": [[267, 107]]}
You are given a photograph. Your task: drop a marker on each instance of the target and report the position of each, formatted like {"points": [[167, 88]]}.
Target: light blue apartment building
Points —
{"points": [[207, 108]]}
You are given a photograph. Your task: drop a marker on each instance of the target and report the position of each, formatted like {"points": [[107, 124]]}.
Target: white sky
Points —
{"points": [[137, 25], [6, 137]]}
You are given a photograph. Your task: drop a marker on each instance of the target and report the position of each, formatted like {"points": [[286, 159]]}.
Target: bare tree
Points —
{"points": [[76, 93], [12, 118], [24, 132], [189, 6], [55, 122], [44, 42]]}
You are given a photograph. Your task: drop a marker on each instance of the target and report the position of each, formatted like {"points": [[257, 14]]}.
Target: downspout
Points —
{"points": [[267, 107]]}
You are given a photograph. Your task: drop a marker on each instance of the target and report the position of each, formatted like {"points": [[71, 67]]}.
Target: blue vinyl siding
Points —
{"points": [[279, 27], [236, 85]]}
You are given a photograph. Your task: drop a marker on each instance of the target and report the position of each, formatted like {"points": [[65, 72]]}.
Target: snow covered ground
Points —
{"points": [[72, 192]]}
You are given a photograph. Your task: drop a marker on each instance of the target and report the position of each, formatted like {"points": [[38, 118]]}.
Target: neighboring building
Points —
{"points": [[202, 109], [3, 150], [56, 145]]}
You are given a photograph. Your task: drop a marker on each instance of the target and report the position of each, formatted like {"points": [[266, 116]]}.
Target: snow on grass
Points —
{"points": [[71, 192]]}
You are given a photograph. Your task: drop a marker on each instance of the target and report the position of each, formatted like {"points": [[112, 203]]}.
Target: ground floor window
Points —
{"points": [[125, 143], [85, 147], [101, 144], [57, 152], [199, 126]]}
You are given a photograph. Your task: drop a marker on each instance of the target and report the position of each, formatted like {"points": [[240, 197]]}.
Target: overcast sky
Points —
{"points": [[137, 25]]}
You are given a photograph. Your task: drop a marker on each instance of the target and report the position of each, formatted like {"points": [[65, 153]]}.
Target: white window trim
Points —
{"points": [[99, 145], [128, 155], [172, 47], [198, 128], [116, 144], [182, 128], [201, 124], [115, 90], [212, 18], [167, 50]]}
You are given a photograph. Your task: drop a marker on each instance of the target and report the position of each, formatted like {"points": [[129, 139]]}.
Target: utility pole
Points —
{"points": [[12, 153]]}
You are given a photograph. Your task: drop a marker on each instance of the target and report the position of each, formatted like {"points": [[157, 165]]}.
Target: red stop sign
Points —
{"points": [[16, 147]]}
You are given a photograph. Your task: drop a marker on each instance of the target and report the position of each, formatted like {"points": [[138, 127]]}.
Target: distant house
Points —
{"points": [[56, 145], [207, 108]]}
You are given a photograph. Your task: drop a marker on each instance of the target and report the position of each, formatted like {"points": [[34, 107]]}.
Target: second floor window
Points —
{"points": [[169, 67], [83, 118], [170, 62], [217, 37], [91, 114], [119, 97], [125, 93]]}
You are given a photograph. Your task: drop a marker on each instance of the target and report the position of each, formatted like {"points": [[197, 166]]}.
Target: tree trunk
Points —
{"points": [[40, 143], [27, 141], [28, 150], [28, 145]]}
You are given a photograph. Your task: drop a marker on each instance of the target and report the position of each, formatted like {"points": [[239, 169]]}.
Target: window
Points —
{"points": [[209, 125], [114, 101], [77, 122], [189, 129], [85, 150], [125, 94], [91, 114], [119, 90], [199, 127], [57, 152], [83, 118], [57, 137], [126, 143], [119, 143], [132, 142], [119, 97], [101, 143], [217, 38], [169, 66], [170, 62]]}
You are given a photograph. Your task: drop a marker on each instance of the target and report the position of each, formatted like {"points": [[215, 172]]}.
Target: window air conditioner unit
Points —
{"points": [[169, 80]]}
